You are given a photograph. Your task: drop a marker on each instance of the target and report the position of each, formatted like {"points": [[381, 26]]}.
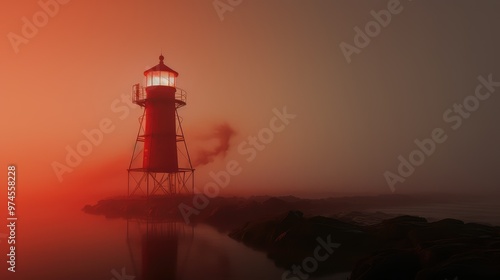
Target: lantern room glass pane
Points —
{"points": [[160, 78]]}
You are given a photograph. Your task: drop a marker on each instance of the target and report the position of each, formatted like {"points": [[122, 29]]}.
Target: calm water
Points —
{"points": [[61, 244], [81, 246]]}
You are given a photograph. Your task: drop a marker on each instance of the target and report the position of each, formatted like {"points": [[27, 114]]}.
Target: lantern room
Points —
{"points": [[160, 75]]}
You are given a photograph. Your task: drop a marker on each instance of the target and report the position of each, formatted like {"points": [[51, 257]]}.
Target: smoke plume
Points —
{"points": [[215, 143]]}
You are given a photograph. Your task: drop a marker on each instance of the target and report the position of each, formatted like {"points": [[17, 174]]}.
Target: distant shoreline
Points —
{"points": [[228, 213]]}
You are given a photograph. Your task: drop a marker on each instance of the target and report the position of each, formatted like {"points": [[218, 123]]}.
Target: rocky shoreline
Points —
{"points": [[404, 247], [373, 245]]}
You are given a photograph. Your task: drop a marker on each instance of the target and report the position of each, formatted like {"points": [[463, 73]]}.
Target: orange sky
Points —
{"points": [[353, 120]]}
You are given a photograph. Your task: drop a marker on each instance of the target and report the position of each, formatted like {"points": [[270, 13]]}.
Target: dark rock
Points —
{"points": [[445, 249], [396, 264], [404, 247]]}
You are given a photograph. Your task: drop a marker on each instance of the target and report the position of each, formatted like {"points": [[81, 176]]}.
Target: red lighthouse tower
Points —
{"points": [[160, 163]]}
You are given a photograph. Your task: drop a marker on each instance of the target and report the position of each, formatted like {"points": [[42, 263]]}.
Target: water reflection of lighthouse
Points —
{"points": [[158, 249]]}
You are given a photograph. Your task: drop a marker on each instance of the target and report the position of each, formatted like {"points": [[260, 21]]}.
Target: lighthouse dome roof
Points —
{"points": [[161, 67]]}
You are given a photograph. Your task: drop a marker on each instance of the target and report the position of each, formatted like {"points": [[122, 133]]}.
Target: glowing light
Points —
{"points": [[160, 78]]}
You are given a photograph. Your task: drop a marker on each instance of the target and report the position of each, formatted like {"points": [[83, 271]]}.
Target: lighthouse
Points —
{"points": [[160, 163]]}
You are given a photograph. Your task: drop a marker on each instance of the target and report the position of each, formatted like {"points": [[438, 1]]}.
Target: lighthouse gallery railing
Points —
{"points": [[139, 95]]}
